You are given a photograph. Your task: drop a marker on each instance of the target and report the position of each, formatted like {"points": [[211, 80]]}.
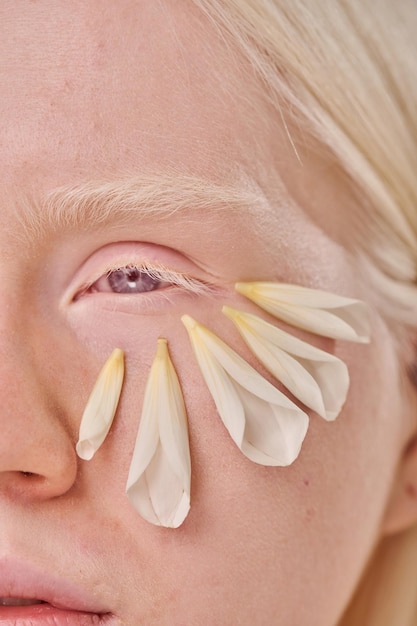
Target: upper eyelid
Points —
{"points": [[180, 279]]}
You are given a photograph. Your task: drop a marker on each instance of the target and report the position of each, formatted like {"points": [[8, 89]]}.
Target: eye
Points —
{"points": [[133, 279], [128, 280], [137, 278]]}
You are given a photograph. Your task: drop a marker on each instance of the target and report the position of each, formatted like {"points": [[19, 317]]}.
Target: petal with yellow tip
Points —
{"points": [[316, 378], [317, 311], [159, 480], [265, 425], [101, 406]]}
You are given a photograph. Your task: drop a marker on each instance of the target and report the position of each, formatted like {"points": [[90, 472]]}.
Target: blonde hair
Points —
{"points": [[345, 72]]}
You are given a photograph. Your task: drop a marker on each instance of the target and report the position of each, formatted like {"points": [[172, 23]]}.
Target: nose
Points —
{"points": [[37, 455]]}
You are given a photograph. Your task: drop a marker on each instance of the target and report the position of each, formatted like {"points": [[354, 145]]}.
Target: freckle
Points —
{"points": [[309, 515], [411, 490]]}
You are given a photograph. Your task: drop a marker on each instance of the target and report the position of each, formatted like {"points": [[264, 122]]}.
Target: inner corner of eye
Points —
{"points": [[80, 293]]}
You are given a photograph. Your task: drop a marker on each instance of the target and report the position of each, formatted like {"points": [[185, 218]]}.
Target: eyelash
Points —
{"points": [[156, 272]]}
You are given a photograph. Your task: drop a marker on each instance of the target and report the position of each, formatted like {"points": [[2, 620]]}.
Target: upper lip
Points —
{"points": [[19, 579]]}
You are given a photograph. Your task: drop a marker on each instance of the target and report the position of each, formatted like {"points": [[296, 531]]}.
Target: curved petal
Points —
{"points": [[317, 311], [159, 478], [266, 426], [101, 406], [318, 379]]}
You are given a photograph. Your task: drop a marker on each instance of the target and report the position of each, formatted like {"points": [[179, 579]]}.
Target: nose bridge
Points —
{"points": [[19, 375], [21, 388], [35, 437]]}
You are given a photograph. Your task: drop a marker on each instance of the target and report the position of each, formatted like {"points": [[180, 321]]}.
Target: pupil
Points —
{"points": [[131, 280]]}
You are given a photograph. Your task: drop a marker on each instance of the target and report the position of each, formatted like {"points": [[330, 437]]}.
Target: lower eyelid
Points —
{"points": [[148, 303]]}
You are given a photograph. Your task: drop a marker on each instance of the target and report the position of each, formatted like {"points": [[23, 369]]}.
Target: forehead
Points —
{"points": [[101, 89], [112, 85]]}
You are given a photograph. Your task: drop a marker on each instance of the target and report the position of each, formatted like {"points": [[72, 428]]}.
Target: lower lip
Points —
{"points": [[48, 615]]}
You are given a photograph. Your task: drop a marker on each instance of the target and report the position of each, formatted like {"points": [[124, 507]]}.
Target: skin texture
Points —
{"points": [[95, 91]]}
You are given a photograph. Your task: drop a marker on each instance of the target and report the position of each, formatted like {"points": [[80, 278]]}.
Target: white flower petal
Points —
{"points": [[317, 311], [318, 379], [265, 425], [101, 406], [159, 480]]}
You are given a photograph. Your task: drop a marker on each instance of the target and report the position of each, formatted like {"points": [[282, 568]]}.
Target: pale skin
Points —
{"points": [[96, 91]]}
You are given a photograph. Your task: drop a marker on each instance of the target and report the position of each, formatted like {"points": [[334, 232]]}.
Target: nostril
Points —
{"points": [[43, 467]]}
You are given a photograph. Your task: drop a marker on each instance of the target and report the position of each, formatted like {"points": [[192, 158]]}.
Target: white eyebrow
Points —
{"points": [[128, 199]]}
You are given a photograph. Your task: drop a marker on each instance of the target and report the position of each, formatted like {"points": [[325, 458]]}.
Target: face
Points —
{"points": [[146, 93]]}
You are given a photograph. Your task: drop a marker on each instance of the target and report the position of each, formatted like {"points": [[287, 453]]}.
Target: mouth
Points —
{"points": [[15, 610], [32, 596]]}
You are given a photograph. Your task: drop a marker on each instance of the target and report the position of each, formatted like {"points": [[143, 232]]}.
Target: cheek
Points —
{"points": [[255, 536], [303, 531], [307, 530]]}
